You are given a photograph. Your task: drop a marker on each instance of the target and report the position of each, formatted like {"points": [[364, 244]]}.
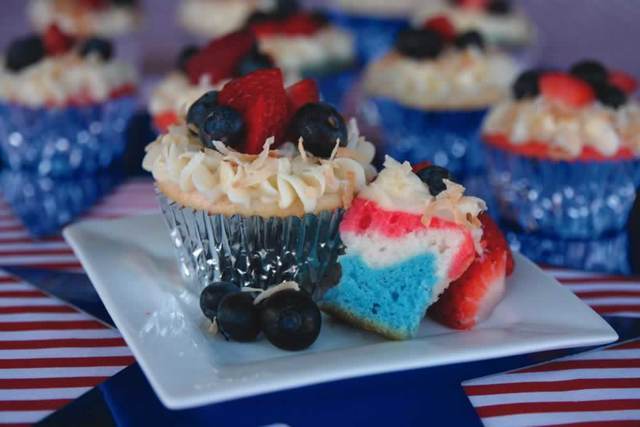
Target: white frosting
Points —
{"points": [[77, 20], [567, 130], [468, 78], [56, 80], [302, 52], [511, 29], [281, 177], [212, 18]]}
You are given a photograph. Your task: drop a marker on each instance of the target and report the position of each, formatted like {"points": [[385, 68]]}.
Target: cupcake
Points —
{"points": [[432, 91], [564, 152], [64, 104], [407, 236], [499, 21], [215, 18], [253, 187], [305, 43]]}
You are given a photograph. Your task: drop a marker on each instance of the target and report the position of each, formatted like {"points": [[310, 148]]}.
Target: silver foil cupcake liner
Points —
{"points": [[254, 251]]}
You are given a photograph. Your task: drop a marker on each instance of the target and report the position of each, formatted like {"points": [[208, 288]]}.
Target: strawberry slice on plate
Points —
{"points": [[566, 89]]}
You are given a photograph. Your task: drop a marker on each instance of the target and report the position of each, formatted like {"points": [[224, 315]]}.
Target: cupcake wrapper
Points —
{"points": [[254, 251], [64, 141], [446, 138], [569, 200], [44, 205]]}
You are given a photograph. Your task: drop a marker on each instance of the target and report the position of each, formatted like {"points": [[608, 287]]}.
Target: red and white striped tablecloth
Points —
{"points": [[50, 352], [134, 197]]}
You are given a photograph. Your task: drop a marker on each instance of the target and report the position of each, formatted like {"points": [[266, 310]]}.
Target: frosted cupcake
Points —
{"points": [[564, 151], [64, 104], [215, 18], [254, 186], [432, 92]]}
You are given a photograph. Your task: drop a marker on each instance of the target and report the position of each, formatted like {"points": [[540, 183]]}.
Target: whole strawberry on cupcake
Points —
{"points": [[254, 185], [215, 18], [305, 43], [64, 104], [432, 92], [200, 70], [564, 151]]}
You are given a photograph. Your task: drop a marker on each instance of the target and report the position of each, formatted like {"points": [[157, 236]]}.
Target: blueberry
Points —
{"points": [[285, 8], [320, 17], [320, 126], [527, 85], [419, 43], [212, 295], [499, 7], [185, 55], [590, 71], [290, 320], [259, 17], [199, 110], [98, 46], [238, 319], [434, 177], [253, 61], [124, 3], [24, 52], [222, 124], [610, 95], [468, 39]]}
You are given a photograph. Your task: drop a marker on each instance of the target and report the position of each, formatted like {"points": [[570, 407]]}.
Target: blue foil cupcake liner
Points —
{"points": [[254, 251], [568, 200], [44, 205], [64, 141], [374, 35], [445, 138]]}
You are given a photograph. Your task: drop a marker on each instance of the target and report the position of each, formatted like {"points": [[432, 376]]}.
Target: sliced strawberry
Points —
{"points": [[55, 41], [419, 166], [302, 93], [298, 24], [473, 4], [219, 58], [94, 4], [475, 294], [442, 25], [623, 81], [262, 100], [164, 120], [566, 89]]}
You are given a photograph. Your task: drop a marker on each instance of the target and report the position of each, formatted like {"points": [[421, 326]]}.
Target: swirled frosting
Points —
{"points": [[567, 131], [466, 79], [73, 18], [282, 182], [212, 18]]}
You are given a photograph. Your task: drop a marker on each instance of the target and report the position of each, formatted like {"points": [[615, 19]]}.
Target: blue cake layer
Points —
{"points": [[391, 301]]}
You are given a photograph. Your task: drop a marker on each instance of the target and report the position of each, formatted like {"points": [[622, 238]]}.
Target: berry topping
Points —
{"points": [[238, 318], [320, 126], [284, 8], [56, 42], [442, 25], [220, 58], [199, 110], [469, 39], [434, 177], [419, 43], [298, 24], [94, 4], [24, 52], [97, 46], [290, 320], [262, 100], [610, 95], [212, 295], [185, 55], [253, 61], [499, 7], [566, 89], [222, 124], [471, 4], [623, 81], [527, 85], [302, 93], [590, 71]]}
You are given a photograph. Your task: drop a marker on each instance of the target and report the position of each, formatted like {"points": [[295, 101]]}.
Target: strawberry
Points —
{"points": [[419, 166], [473, 4], [298, 24], [475, 294], [442, 25], [55, 41], [163, 121], [623, 81], [566, 89], [93, 4], [262, 100], [302, 93], [220, 57]]}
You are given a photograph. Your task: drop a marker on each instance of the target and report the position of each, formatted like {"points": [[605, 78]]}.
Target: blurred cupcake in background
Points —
{"points": [[64, 104], [564, 151], [432, 91], [215, 18]]}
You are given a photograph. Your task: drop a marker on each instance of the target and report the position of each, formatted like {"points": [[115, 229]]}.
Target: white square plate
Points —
{"points": [[132, 266]]}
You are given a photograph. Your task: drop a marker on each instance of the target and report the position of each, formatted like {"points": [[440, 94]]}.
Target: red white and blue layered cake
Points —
{"points": [[407, 237]]}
